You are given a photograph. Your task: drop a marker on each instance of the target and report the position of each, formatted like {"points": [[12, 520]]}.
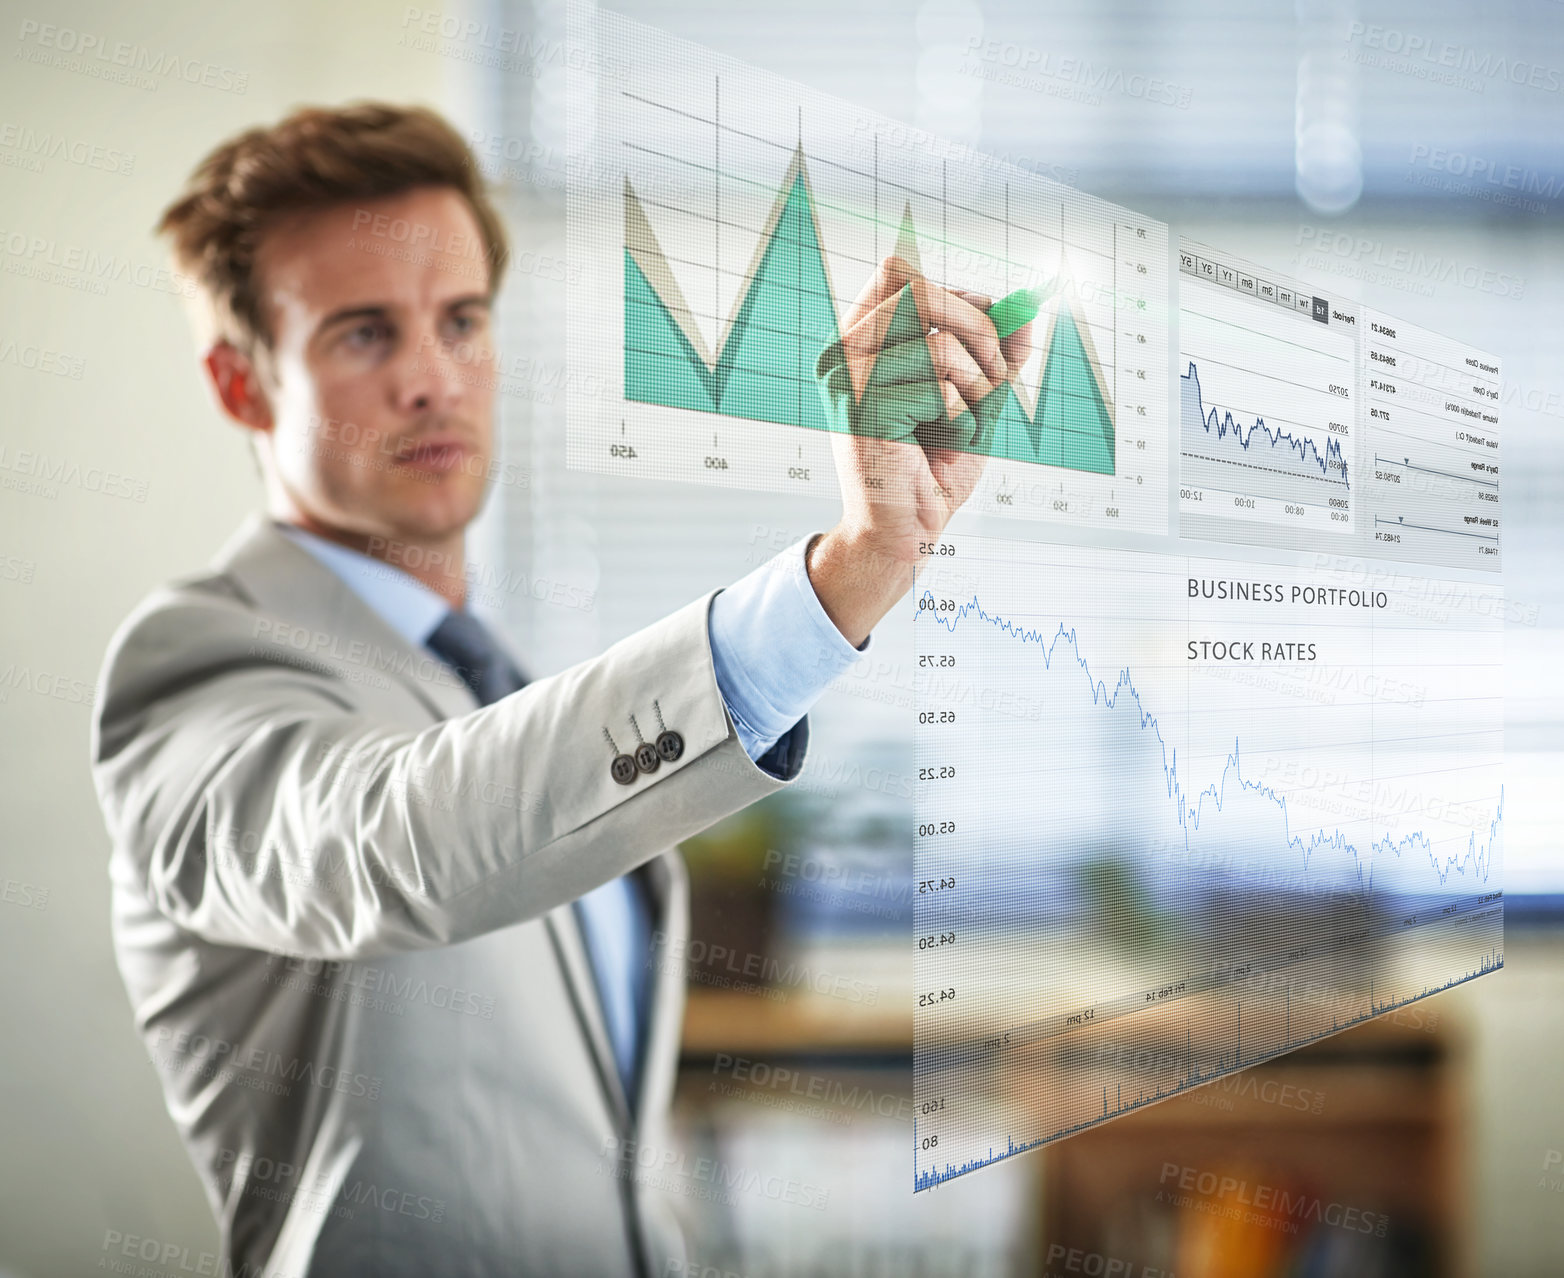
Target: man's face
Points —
{"points": [[382, 365]]}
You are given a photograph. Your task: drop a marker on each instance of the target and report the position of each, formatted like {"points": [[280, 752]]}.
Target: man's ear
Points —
{"points": [[238, 385]]}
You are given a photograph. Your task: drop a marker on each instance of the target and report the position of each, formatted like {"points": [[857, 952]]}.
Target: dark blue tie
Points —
{"points": [[464, 644]]}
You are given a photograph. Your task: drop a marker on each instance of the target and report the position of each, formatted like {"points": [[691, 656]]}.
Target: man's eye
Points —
{"points": [[463, 325], [366, 334]]}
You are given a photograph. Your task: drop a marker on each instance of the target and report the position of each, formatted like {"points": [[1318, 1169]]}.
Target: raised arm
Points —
{"points": [[255, 804]]}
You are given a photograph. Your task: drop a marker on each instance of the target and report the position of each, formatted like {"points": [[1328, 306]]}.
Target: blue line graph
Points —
{"points": [[1475, 859], [1224, 1064], [1281, 449], [1425, 866]]}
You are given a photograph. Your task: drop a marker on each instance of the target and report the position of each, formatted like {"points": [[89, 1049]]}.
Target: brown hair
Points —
{"points": [[313, 158]]}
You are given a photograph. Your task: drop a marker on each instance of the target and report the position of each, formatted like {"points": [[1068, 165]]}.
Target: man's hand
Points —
{"points": [[914, 377]]}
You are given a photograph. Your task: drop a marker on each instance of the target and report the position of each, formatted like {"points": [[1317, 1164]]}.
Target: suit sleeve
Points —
{"points": [[256, 805]]}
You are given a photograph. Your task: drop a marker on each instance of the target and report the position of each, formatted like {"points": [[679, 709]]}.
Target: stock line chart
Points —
{"points": [[1309, 420], [1266, 413], [1282, 449], [1177, 816]]}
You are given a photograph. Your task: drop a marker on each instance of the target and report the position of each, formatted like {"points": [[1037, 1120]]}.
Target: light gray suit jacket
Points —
{"points": [[341, 910]]}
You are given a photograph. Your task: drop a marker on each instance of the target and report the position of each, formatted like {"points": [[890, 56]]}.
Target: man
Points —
{"points": [[385, 910]]}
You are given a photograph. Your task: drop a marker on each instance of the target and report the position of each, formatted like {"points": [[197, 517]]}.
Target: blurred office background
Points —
{"points": [[1289, 126]]}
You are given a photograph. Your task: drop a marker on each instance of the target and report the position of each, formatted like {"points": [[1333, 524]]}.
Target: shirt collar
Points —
{"points": [[405, 604]]}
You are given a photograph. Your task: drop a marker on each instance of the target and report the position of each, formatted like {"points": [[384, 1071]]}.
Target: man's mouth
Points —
{"points": [[434, 455]]}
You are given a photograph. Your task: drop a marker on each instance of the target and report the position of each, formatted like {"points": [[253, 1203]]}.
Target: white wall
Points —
{"points": [[87, 1146]]}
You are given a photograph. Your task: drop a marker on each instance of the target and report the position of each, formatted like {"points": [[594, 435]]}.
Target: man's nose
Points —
{"points": [[427, 377]]}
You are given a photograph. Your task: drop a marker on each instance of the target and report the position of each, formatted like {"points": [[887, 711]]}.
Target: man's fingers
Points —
{"points": [[954, 363], [864, 342], [880, 355], [899, 363], [865, 334], [955, 472], [895, 412], [943, 310], [939, 356], [960, 428], [933, 307], [955, 405], [888, 279], [1017, 348]]}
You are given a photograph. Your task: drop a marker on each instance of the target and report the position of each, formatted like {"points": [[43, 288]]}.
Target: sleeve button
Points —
{"points": [[623, 769], [670, 745]]}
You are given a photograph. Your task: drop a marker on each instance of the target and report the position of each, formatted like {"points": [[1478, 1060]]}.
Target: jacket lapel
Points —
{"points": [[667, 880], [571, 950], [288, 582]]}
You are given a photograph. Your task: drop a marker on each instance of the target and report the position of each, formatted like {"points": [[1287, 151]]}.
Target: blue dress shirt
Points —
{"points": [[774, 651]]}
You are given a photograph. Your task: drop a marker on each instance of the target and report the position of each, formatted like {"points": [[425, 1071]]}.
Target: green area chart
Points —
{"points": [[763, 369]]}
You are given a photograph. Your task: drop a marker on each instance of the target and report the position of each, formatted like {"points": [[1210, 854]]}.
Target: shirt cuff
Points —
{"points": [[774, 649]]}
